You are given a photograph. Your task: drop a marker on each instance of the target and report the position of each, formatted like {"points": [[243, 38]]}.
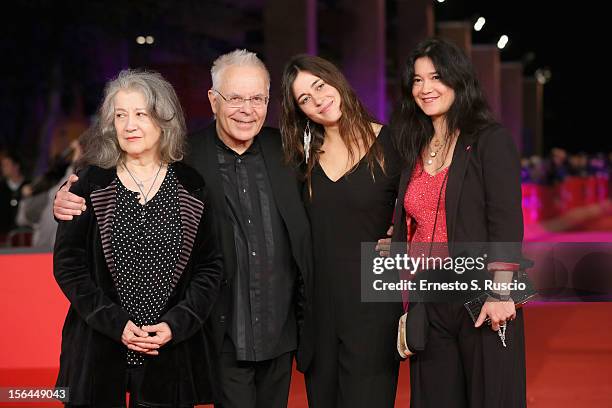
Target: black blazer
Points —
{"points": [[93, 358], [483, 205], [483, 193], [286, 191]]}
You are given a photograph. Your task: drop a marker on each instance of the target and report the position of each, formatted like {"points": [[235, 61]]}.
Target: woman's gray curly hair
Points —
{"points": [[102, 147]]}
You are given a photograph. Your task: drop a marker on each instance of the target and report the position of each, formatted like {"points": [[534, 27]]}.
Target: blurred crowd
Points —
{"points": [[560, 165], [26, 202], [26, 216]]}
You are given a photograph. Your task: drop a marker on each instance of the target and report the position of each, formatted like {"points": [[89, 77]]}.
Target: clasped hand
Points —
{"points": [[140, 339]]}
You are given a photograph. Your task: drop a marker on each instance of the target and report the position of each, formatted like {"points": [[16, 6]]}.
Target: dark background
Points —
{"points": [[67, 50], [565, 37]]}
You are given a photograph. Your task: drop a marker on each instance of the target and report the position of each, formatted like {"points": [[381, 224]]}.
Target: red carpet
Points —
{"points": [[569, 346], [569, 356]]}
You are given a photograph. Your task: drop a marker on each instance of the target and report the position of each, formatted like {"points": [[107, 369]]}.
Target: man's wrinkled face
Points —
{"points": [[239, 123]]}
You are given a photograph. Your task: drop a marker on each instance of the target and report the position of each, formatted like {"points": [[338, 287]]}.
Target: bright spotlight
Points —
{"points": [[502, 42], [479, 23]]}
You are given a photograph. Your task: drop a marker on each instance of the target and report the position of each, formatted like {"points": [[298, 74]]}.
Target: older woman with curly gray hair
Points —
{"points": [[140, 266]]}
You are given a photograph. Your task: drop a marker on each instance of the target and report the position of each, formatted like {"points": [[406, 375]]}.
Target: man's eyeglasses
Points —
{"points": [[236, 101]]}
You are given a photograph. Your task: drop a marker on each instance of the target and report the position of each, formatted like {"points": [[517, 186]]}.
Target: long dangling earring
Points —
{"points": [[307, 140]]}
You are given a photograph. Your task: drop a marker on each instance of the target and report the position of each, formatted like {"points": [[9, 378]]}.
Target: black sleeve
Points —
{"points": [[72, 272], [189, 314], [502, 184]]}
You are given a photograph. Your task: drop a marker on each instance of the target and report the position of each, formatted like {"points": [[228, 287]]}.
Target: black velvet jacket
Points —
{"points": [[93, 358], [286, 191]]}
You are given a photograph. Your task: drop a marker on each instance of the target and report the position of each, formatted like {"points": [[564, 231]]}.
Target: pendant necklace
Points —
{"points": [[432, 153], [140, 184]]}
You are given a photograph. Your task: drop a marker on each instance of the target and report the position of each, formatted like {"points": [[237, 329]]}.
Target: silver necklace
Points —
{"points": [[140, 182], [141, 185]]}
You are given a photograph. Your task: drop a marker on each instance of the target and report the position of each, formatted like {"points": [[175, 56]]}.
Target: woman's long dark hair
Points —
{"points": [[355, 123], [411, 127]]}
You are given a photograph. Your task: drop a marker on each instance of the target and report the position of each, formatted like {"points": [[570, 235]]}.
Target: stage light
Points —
{"points": [[502, 42], [150, 39], [543, 75], [479, 23], [140, 40], [440, 1]]}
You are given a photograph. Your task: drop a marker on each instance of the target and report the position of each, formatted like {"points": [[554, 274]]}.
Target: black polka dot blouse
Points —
{"points": [[146, 241]]}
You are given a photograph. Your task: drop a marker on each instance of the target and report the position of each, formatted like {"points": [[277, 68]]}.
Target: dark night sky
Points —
{"points": [[564, 37], [561, 35]]}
